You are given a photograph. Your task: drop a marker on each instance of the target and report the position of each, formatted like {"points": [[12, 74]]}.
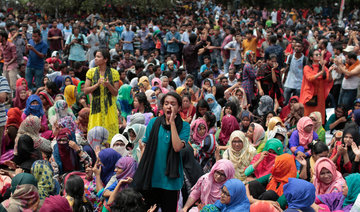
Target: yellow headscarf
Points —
{"points": [[144, 80], [69, 94], [180, 89], [273, 122]]}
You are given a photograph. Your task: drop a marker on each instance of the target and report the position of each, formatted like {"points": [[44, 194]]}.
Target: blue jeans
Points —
{"points": [[289, 92], [38, 74], [347, 97]]}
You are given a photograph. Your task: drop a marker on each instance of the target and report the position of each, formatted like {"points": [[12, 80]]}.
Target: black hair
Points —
{"points": [[105, 53], [186, 95], [202, 103], [141, 97], [53, 87], [343, 108], [233, 107], [318, 148], [352, 55], [139, 65], [211, 118], [3, 34], [191, 77], [128, 200], [173, 94], [221, 79], [75, 188], [180, 71], [37, 31], [272, 39]]}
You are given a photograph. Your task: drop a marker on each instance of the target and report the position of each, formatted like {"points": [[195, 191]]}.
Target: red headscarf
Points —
{"points": [[228, 125], [17, 101], [304, 137], [19, 82], [14, 117]]}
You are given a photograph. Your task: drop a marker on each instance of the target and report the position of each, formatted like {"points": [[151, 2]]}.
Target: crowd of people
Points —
{"points": [[197, 108]]}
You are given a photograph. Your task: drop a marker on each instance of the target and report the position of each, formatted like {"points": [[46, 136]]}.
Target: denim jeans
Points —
{"points": [[289, 92], [347, 97], [38, 74]]}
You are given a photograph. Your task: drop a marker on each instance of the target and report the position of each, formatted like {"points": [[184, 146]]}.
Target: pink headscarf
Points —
{"points": [[194, 129], [206, 188], [304, 137], [157, 80], [337, 179], [258, 135], [228, 125]]}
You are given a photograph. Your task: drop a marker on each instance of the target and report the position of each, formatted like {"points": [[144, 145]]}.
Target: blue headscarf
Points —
{"points": [[300, 194], [108, 158], [215, 107], [58, 81], [36, 110], [238, 198], [357, 116], [63, 82]]}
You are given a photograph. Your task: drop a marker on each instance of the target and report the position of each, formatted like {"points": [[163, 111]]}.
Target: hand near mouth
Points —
{"points": [[172, 116]]}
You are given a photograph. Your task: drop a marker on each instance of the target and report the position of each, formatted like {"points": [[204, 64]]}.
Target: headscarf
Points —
{"points": [[180, 89], [69, 93], [241, 159], [79, 86], [258, 135], [43, 173], [36, 110], [207, 147], [284, 168], [265, 166], [128, 165], [149, 94], [238, 198], [63, 82], [317, 116], [13, 118], [55, 204], [108, 158], [194, 129], [266, 105], [69, 160], [83, 116], [137, 118], [353, 184], [144, 80], [157, 80], [243, 101], [274, 121], [125, 100], [58, 81], [120, 149], [357, 116], [246, 113], [17, 101], [24, 194], [97, 136], [208, 187], [304, 137], [31, 127], [248, 56], [300, 194], [296, 113], [19, 82], [262, 206], [228, 125], [62, 110], [48, 98], [337, 179], [139, 130], [215, 107], [285, 111]]}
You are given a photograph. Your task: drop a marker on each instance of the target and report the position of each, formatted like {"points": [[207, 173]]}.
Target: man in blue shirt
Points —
{"points": [[36, 50], [127, 38], [172, 41], [160, 173]]}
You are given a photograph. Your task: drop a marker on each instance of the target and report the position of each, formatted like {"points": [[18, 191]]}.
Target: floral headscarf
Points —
{"points": [[43, 173]]}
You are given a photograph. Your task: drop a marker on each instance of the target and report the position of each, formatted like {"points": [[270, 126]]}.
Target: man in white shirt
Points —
{"points": [[274, 16]]}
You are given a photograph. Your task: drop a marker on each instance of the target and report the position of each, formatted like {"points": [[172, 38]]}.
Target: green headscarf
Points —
{"points": [[22, 179], [353, 184], [274, 144], [125, 100], [79, 86]]}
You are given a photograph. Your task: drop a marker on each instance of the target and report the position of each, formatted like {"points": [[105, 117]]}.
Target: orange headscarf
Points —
{"points": [[284, 168], [350, 68]]}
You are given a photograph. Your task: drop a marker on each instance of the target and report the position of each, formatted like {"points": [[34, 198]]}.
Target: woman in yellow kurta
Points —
{"points": [[102, 82]]}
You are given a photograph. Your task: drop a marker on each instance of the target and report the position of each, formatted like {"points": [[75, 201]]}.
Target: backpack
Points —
{"points": [[304, 60]]}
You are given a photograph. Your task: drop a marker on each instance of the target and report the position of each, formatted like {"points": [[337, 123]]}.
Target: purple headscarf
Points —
{"points": [[108, 158], [128, 165]]}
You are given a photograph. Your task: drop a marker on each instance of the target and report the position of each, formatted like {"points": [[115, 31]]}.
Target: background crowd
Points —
{"points": [[198, 108]]}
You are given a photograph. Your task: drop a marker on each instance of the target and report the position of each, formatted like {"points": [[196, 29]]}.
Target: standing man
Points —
{"points": [[127, 38], [77, 43], [55, 38], [173, 40], [36, 50], [160, 173], [93, 40], [9, 55]]}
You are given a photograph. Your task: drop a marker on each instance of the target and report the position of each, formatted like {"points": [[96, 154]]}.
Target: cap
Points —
{"points": [[349, 49]]}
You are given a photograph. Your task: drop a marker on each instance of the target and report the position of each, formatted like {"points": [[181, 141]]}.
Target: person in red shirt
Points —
{"points": [[55, 38]]}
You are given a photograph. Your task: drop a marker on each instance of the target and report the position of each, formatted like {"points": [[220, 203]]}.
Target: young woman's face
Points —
{"points": [[239, 94], [309, 128], [34, 103], [202, 110], [225, 196], [23, 94], [46, 80], [228, 111], [322, 154], [23, 83], [118, 170], [99, 59], [201, 130], [316, 56], [136, 103], [132, 135], [268, 117], [82, 87], [185, 102], [43, 100], [119, 143], [345, 189], [219, 176], [170, 105], [68, 81], [237, 144], [348, 139], [207, 83], [339, 112], [280, 137], [210, 101], [245, 122], [250, 133], [313, 119]]}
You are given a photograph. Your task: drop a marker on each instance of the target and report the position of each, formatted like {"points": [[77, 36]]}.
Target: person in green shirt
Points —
{"points": [[318, 128]]}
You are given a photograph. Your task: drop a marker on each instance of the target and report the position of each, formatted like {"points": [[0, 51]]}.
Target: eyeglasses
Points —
{"points": [[224, 192]]}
